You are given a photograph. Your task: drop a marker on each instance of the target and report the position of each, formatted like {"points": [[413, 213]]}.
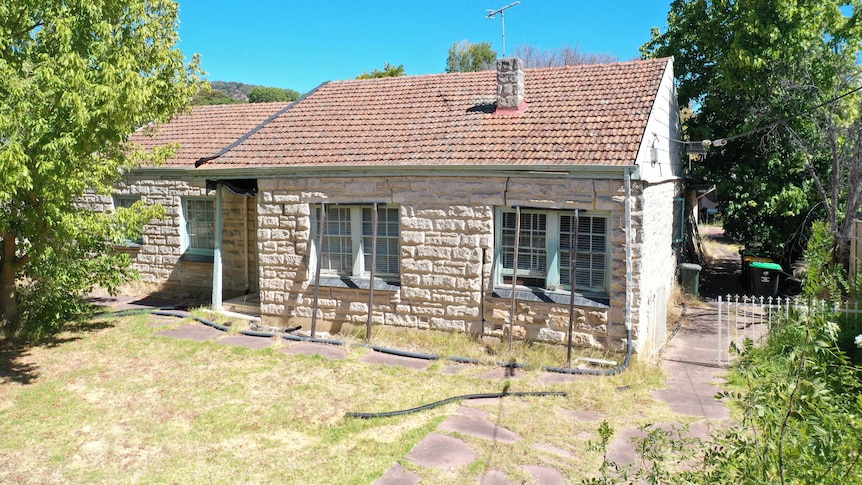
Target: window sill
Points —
{"points": [[358, 283], [128, 246], [197, 258], [563, 298]]}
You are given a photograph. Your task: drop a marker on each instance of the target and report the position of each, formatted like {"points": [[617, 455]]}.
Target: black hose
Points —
{"points": [[404, 353], [256, 333], [299, 338], [424, 407]]}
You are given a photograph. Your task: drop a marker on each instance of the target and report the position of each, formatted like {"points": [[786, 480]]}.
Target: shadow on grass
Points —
{"points": [[15, 362]]}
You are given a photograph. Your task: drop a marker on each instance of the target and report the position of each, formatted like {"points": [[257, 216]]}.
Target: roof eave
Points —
{"points": [[540, 171]]}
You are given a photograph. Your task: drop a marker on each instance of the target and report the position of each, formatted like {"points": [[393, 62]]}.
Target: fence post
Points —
{"points": [[719, 331]]}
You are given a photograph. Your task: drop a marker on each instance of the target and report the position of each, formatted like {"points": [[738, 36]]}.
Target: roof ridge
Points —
{"points": [[257, 128]]}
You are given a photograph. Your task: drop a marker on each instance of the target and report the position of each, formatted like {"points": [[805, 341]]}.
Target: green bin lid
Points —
{"points": [[763, 265]]}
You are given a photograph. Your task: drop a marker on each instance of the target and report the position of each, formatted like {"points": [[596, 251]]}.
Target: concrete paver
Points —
{"points": [[249, 342], [396, 360], [330, 352], [398, 475], [494, 477], [441, 451], [546, 475], [582, 415], [479, 428], [198, 332]]}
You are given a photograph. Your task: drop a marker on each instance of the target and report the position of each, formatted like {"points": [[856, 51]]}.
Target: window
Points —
{"points": [[346, 246], [125, 201], [546, 243], [199, 226]]}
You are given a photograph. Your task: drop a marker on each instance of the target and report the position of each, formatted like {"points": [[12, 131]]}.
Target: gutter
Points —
{"points": [[496, 170]]}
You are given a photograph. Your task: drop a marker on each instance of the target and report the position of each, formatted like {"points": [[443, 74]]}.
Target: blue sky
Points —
{"points": [[300, 44]]}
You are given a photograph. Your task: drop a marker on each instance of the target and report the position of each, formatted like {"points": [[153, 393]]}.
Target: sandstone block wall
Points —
{"points": [[447, 255], [158, 260]]}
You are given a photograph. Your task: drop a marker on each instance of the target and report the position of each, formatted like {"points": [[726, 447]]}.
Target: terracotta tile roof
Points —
{"points": [[590, 114], [205, 130]]}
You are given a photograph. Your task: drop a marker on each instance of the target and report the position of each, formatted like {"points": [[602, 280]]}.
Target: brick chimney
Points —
{"points": [[510, 86]]}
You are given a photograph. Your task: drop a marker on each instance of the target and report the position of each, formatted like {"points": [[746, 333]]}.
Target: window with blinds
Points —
{"points": [[547, 241], [345, 249]]}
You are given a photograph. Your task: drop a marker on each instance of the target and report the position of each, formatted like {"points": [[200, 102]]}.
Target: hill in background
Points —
{"points": [[230, 92]]}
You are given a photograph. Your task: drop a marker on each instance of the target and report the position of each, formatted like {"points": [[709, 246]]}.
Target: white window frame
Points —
{"points": [[551, 274], [360, 242], [187, 248]]}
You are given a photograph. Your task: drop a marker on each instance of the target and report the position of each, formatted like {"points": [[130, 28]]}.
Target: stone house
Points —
{"points": [[418, 201]]}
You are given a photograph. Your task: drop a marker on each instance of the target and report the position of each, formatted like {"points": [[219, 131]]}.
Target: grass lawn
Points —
{"points": [[109, 401]]}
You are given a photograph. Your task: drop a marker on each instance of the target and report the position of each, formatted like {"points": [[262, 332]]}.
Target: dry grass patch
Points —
{"points": [[113, 403]]}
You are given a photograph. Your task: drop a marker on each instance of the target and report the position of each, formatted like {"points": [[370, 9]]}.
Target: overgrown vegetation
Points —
{"points": [[798, 402], [779, 81]]}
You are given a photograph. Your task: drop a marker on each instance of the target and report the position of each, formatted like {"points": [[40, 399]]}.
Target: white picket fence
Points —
{"points": [[749, 317]]}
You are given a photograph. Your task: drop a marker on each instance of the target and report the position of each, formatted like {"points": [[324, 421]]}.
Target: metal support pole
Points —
{"points": [[321, 232], [719, 331], [372, 272], [572, 266], [217, 260], [514, 274]]}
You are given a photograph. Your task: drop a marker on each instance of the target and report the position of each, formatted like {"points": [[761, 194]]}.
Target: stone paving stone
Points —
{"points": [[473, 413], [546, 475], [441, 451], [451, 369], [689, 390], [557, 378], [494, 477], [554, 450], [582, 415], [621, 450], [247, 341], [160, 321], [398, 475], [331, 352], [396, 360], [200, 333], [503, 373], [479, 428]]}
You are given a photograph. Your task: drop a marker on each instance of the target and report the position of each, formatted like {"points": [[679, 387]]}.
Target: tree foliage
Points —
{"points": [[388, 71], [564, 56], [733, 61], [268, 95], [76, 78], [469, 57], [213, 96]]}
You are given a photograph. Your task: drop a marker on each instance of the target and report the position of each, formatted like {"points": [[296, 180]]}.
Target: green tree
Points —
{"points": [[468, 57], [733, 61], [213, 96], [76, 78], [268, 95], [388, 71]]}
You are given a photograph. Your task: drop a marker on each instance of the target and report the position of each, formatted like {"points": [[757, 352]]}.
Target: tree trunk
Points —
{"points": [[8, 267]]}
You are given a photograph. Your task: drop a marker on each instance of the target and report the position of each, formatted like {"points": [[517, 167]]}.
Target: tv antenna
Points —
{"points": [[502, 12]]}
